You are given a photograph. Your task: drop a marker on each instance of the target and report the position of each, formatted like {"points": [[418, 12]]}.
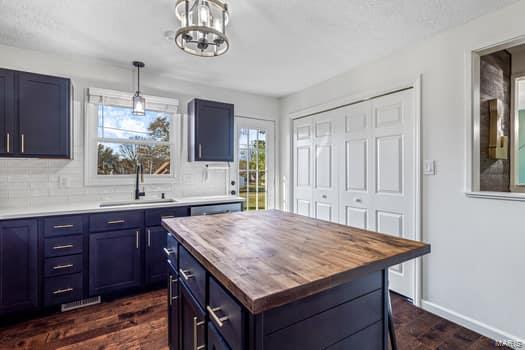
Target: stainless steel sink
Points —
{"points": [[137, 202]]}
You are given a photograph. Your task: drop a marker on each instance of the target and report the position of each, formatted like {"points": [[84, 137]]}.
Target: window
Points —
{"points": [[253, 168], [125, 140], [117, 140]]}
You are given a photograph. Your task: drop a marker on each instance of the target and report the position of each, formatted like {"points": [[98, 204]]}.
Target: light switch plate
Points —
{"points": [[429, 167]]}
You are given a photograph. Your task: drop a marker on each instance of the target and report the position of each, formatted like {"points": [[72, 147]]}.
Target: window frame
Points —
{"points": [[472, 118], [94, 99]]}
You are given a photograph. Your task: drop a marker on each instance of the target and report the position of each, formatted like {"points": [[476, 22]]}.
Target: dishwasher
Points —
{"points": [[216, 209]]}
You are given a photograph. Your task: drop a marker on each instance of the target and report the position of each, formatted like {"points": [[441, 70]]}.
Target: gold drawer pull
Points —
{"points": [[217, 319], [116, 222], [59, 267], [63, 226], [186, 274], [64, 246], [62, 291]]}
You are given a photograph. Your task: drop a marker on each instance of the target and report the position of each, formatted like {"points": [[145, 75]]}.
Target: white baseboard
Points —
{"points": [[472, 324]]}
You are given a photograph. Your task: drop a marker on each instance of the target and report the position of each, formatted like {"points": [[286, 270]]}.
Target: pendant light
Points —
{"points": [[202, 29], [139, 102]]}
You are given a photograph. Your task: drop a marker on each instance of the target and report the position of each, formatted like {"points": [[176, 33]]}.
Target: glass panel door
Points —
{"points": [[255, 163]]}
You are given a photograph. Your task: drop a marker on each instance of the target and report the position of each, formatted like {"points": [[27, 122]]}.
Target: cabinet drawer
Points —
{"points": [[63, 246], [154, 216], [62, 289], [226, 314], [193, 274], [172, 251], [116, 220], [63, 225], [63, 265]]}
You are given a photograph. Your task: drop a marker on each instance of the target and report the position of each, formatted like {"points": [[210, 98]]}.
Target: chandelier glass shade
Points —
{"points": [[202, 29]]}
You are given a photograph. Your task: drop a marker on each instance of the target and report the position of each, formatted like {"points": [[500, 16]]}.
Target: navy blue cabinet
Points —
{"points": [[35, 120], [18, 265], [173, 309], [156, 240], [193, 321], [211, 131], [115, 261], [7, 108]]}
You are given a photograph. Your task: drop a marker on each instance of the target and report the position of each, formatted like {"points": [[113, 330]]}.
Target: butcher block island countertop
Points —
{"points": [[267, 259]]}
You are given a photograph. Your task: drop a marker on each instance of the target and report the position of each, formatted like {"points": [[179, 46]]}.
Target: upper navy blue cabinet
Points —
{"points": [[35, 115], [7, 107], [43, 116], [18, 265], [211, 131]]}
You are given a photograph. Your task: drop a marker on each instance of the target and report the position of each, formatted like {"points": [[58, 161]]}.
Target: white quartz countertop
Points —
{"points": [[94, 207]]}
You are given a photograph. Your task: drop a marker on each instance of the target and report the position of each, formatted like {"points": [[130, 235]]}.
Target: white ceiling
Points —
{"points": [[278, 46]]}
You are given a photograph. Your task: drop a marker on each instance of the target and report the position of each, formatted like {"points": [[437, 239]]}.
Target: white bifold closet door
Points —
{"points": [[355, 165]]}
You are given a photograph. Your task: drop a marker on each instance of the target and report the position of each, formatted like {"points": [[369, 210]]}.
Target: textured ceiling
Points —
{"points": [[278, 46]]}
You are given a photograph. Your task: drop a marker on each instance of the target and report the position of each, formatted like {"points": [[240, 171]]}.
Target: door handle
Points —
{"points": [[116, 222], [8, 143], [200, 151], [63, 246], [62, 291], [23, 143], [170, 289], [195, 338], [63, 226], [217, 319], [186, 274], [168, 251], [149, 238], [59, 267], [137, 233]]}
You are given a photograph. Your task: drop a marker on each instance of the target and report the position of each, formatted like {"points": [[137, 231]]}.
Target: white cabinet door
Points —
{"points": [[393, 168], [355, 177], [325, 195], [303, 166]]}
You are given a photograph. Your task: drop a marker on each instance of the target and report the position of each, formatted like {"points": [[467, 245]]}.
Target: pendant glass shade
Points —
{"points": [[139, 105], [139, 102], [202, 29]]}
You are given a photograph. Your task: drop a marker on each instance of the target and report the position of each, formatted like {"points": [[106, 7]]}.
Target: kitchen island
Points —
{"points": [[276, 280]]}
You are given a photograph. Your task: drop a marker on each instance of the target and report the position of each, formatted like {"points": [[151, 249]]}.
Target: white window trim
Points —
{"points": [[472, 119], [91, 178]]}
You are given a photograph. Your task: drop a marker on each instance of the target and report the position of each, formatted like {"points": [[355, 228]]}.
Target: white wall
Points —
{"points": [[35, 182], [475, 271]]}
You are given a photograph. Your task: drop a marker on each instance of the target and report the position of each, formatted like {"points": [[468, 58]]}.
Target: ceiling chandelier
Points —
{"points": [[202, 29]]}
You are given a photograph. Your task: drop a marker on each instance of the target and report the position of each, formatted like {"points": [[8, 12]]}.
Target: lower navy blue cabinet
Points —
{"points": [[193, 321], [115, 261], [173, 310], [215, 341], [18, 265], [156, 240]]}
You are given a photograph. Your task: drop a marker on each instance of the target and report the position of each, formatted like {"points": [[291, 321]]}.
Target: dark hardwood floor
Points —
{"points": [[140, 322]]}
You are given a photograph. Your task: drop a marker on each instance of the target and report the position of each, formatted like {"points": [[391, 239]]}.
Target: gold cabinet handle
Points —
{"points": [[116, 222], [23, 143], [186, 274], [8, 143], [60, 267], [63, 226], [63, 246], [217, 319], [195, 338], [62, 291]]}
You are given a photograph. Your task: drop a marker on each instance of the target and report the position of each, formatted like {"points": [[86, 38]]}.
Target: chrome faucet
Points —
{"points": [[138, 193]]}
